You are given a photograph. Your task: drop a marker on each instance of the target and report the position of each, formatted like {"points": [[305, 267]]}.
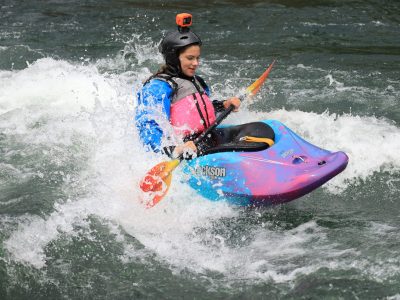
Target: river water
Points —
{"points": [[71, 223]]}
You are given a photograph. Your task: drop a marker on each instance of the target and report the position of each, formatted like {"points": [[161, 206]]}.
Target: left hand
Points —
{"points": [[232, 101]]}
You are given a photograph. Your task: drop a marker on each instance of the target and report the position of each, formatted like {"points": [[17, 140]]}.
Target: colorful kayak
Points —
{"points": [[287, 170]]}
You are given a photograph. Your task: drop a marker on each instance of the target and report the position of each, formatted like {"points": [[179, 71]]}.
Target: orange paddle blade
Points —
{"points": [[253, 88], [156, 182]]}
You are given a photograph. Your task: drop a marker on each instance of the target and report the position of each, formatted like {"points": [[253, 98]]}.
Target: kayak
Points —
{"points": [[254, 164], [258, 173]]}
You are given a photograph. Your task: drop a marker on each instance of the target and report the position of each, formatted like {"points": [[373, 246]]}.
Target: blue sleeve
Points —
{"points": [[154, 109]]}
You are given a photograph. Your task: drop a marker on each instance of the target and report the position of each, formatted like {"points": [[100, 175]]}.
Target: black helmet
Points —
{"points": [[174, 41]]}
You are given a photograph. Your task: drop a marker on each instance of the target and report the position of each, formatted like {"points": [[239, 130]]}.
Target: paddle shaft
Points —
{"points": [[217, 121]]}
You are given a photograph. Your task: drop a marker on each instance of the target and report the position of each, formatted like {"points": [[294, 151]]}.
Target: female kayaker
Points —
{"points": [[174, 105]]}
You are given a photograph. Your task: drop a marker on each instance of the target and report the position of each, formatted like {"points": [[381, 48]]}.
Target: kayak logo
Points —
{"points": [[211, 172], [287, 153]]}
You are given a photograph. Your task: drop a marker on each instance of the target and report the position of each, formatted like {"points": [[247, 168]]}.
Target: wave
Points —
{"points": [[54, 103]]}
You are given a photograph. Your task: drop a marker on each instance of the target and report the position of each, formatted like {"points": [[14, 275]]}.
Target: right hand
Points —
{"points": [[188, 147], [235, 101]]}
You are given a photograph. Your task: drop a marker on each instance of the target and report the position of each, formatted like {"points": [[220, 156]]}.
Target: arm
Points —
{"points": [[153, 111], [154, 103]]}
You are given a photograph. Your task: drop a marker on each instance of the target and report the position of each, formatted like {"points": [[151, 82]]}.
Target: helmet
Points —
{"points": [[174, 41]]}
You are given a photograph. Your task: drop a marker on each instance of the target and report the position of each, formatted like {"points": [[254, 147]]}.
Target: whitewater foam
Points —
{"points": [[57, 102]]}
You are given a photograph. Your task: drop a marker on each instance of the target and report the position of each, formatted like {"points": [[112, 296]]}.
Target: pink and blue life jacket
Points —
{"points": [[185, 103]]}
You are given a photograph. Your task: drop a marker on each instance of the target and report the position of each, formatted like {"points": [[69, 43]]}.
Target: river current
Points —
{"points": [[72, 226]]}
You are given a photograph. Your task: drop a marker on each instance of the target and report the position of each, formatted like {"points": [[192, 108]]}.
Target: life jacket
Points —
{"points": [[191, 108]]}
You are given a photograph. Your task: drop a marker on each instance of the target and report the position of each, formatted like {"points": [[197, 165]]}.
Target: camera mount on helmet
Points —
{"points": [[184, 21]]}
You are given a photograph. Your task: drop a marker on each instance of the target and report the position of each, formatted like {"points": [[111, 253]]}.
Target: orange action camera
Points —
{"points": [[184, 20]]}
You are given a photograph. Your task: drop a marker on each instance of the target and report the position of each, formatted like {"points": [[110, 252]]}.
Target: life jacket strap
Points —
{"points": [[165, 77]]}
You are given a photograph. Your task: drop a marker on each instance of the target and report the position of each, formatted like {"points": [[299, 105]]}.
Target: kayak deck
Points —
{"points": [[287, 170]]}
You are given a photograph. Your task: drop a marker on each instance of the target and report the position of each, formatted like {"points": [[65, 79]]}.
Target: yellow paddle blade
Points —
{"points": [[253, 88], [156, 182]]}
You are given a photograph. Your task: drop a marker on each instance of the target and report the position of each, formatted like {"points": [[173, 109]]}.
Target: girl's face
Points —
{"points": [[190, 59]]}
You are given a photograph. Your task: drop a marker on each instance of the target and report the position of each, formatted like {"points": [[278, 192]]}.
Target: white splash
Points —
{"points": [[75, 101]]}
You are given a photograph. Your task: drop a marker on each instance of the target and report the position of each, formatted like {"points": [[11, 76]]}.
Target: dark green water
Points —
{"points": [[71, 223]]}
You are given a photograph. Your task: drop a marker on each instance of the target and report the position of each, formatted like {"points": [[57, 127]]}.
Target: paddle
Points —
{"points": [[157, 181]]}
